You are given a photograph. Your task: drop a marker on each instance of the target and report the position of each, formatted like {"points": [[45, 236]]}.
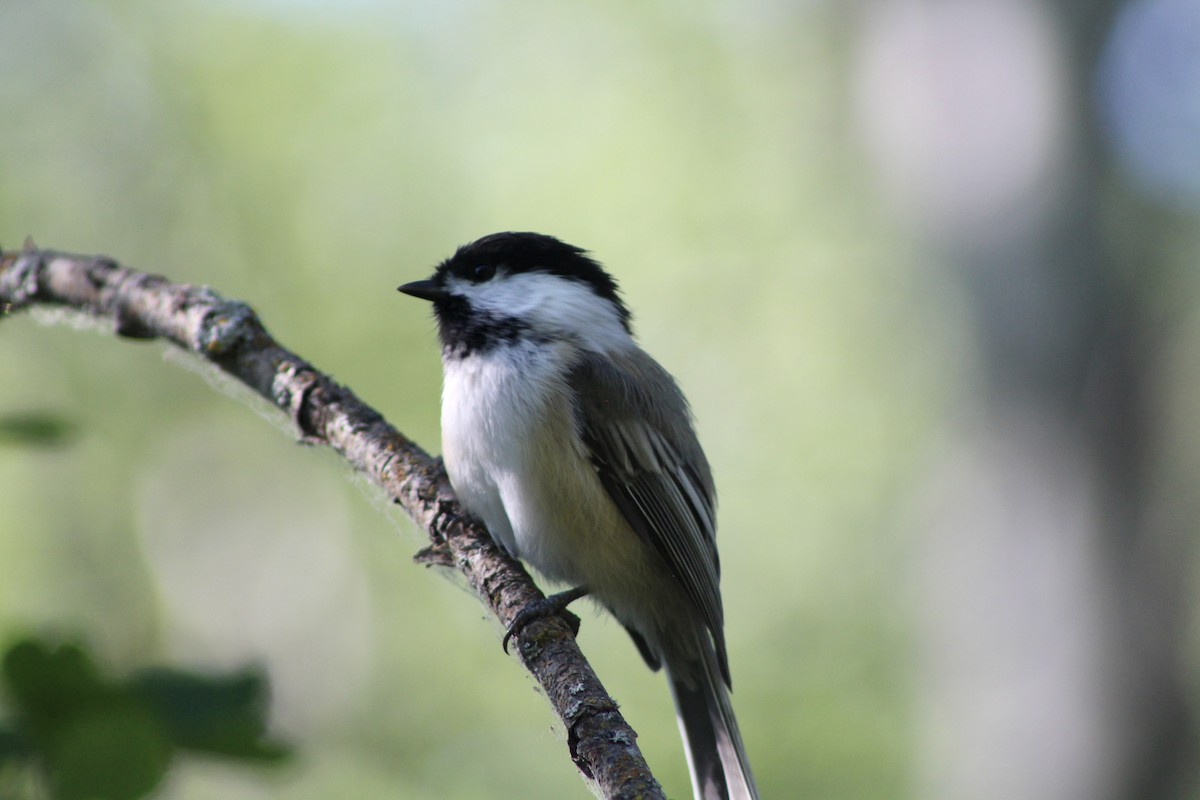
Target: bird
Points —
{"points": [[578, 453]]}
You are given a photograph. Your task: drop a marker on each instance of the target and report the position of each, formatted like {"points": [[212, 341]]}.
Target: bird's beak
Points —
{"points": [[426, 290]]}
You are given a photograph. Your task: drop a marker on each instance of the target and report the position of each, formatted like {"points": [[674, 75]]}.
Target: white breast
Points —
{"points": [[515, 462]]}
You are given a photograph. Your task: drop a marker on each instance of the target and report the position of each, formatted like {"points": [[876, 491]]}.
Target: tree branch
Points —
{"points": [[228, 334]]}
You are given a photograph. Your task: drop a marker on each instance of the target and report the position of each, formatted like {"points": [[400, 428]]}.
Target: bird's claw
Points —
{"points": [[540, 609]]}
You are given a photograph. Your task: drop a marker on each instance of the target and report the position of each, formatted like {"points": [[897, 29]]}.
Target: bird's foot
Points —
{"points": [[540, 609]]}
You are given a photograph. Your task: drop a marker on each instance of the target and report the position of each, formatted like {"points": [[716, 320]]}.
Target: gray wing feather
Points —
{"points": [[649, 461]]}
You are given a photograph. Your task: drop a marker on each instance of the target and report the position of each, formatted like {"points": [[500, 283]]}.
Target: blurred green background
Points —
{"points": [[926, 269]]}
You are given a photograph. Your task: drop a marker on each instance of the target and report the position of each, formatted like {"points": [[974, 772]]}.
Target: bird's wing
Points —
{"points": [[649, 461]]}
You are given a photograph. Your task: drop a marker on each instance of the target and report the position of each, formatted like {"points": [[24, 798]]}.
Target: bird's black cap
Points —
{"points": [[518, 252]]}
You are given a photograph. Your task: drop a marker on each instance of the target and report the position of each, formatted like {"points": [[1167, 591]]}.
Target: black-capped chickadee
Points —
{"points": [[576, 450]]}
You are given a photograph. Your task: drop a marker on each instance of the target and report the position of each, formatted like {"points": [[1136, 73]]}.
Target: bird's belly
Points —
{"points": [[515, 462]]}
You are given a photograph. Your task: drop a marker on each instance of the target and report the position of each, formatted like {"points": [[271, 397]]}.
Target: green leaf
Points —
{"points": [[13, 746], [113, 750], [36, 429], [97, 738], [226, 715], [49, 681]]}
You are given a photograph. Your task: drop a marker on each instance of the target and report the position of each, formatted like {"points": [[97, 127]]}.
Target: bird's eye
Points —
{"points": [[483, 272]]}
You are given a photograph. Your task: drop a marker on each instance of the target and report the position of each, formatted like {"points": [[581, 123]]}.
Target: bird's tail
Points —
{"points": [[716, 757]]}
